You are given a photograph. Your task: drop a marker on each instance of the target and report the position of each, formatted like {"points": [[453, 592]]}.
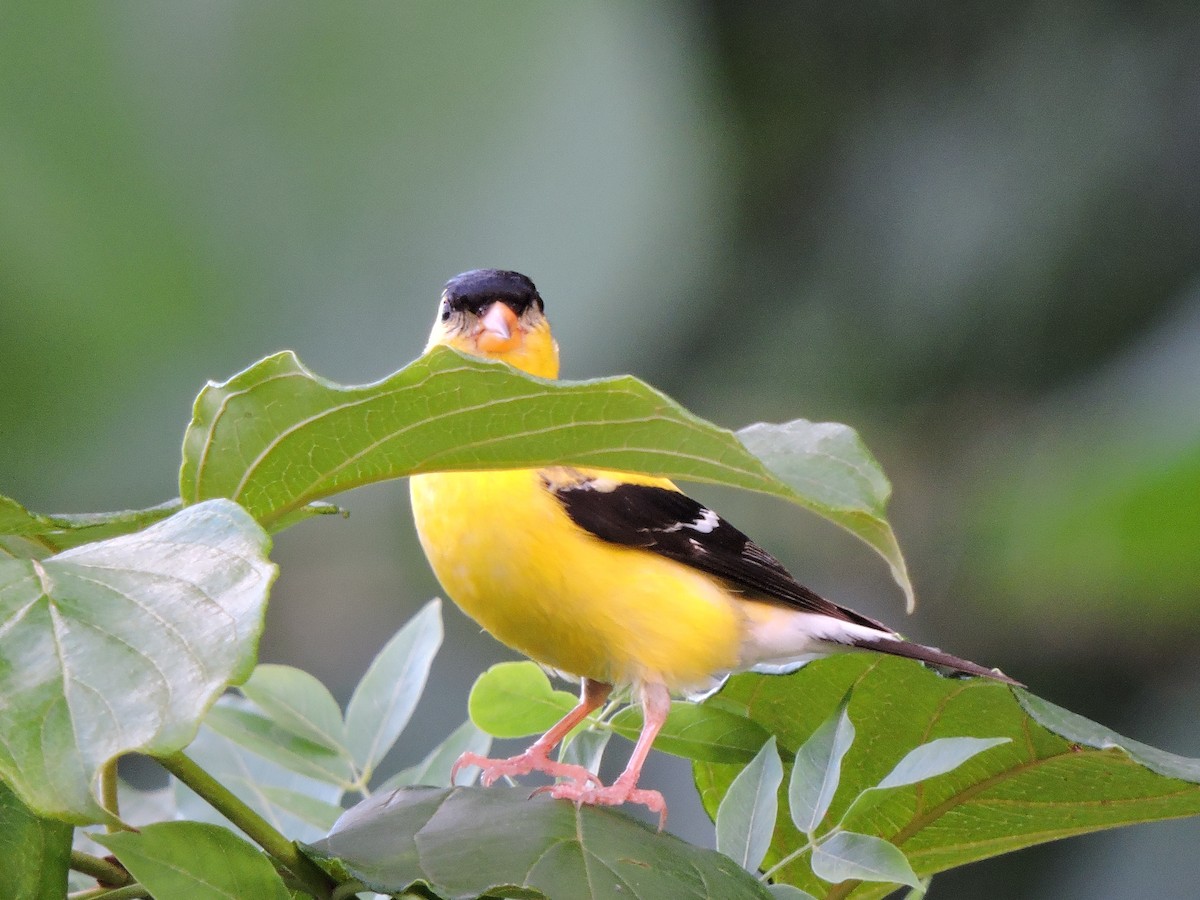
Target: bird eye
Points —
{"points": [[445, 312]]}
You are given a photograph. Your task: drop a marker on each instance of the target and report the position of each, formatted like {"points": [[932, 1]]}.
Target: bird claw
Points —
{"points": [[613, 795], [522, 764]]}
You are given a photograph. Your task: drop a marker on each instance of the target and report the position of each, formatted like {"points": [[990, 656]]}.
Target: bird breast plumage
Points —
{"points": [[506, 552]]}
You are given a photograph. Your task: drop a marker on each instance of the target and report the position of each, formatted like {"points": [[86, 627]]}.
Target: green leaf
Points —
{"points": [[788, 892], [694, 731], [260, 735], [295, 805], [515, 699], [26, 535], [584, 748], [937, 758], [468, 842], [388, 693], [121, 645], [434, 769], [36, 852], [746, 816], [276, 437], [1058, 774], [864, 857], [195, 860], [817, 771], [299, 702]]}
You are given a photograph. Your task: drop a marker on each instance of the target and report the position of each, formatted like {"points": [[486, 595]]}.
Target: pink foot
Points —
{"points": [[523, 764], [613, 795]]}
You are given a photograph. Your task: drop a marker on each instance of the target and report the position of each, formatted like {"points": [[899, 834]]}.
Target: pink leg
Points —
{"points": [[656, 703], [537, 757]]}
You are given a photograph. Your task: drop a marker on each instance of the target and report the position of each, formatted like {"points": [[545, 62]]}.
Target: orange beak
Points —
{"points": [[499, 331]]}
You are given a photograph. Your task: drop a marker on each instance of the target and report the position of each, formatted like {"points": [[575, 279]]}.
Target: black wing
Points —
{"points": [[676, 526]]}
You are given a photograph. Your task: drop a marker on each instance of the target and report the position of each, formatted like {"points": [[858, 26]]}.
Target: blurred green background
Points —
{"points": [[970, 230]]}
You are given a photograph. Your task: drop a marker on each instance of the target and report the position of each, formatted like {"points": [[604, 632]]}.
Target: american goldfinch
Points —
{"points": [[613, 577]]}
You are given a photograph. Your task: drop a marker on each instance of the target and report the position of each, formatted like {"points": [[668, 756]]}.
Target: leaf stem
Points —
{"points": [[100, 869], [791, 857], [220, 798], [108, 795]]}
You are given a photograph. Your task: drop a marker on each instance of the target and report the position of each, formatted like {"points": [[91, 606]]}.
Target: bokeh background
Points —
{"points": [[971, 230]]}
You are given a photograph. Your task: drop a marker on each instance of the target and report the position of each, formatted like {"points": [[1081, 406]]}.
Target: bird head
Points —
{"points": [[496, 314]]}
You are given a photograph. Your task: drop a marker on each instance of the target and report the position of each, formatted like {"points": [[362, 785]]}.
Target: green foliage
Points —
{"points": [[121, 633]]}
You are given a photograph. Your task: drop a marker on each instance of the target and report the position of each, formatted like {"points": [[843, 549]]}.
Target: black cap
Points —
{"points": [[474, 290]]}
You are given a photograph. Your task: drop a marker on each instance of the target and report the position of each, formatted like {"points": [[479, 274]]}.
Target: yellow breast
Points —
{"points": [[507, 553]]}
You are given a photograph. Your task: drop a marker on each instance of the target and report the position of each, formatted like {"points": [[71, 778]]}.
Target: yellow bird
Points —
{"points": [[617, 578]]}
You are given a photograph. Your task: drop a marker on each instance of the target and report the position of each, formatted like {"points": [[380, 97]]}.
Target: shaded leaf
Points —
{"points": [[26, 535], [864, 857], [817, 770], [299, 702], [299, 807], [36, 852], [1058, 775], [434, 769], [694, 731], [121, 646], [465, 842], [515, 699], [260, 735], [276, 437], [195, 860], [386, 696], [585, 748], [746, 816], [788, 892]]}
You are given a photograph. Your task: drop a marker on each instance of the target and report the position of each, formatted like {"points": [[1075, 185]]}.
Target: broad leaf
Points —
{"points": [[863, 857], [1057, 775], [297, 701], [388, 693], [36, 852], [121, 646], [746, 817], [276, 437], [26, 535], [258, 734], [817, 770], [195, 860], [467, 842], [515, 699]]}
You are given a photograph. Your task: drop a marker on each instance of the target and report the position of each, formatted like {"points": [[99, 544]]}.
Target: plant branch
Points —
{"points": [[100, 869], [128, 892], [220, 798], [108, 795]]}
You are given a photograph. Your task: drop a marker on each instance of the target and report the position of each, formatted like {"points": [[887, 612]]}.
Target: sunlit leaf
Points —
{"points": [[698, 732], [1057, 775], [276, 437], [515, 699], [121, 646]]}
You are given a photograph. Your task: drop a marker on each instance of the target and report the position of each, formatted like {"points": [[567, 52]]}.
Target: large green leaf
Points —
{"points": [[27, 535], [466, 842], [276, 437], [35, 852], [1057, 775], [121, 646], [195, 860]]}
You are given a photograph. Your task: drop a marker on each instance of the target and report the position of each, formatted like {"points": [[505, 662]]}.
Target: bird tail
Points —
{"points": [[931, 656]]}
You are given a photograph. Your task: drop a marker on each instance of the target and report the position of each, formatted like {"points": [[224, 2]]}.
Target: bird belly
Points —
{"points": [[506, 552]]}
